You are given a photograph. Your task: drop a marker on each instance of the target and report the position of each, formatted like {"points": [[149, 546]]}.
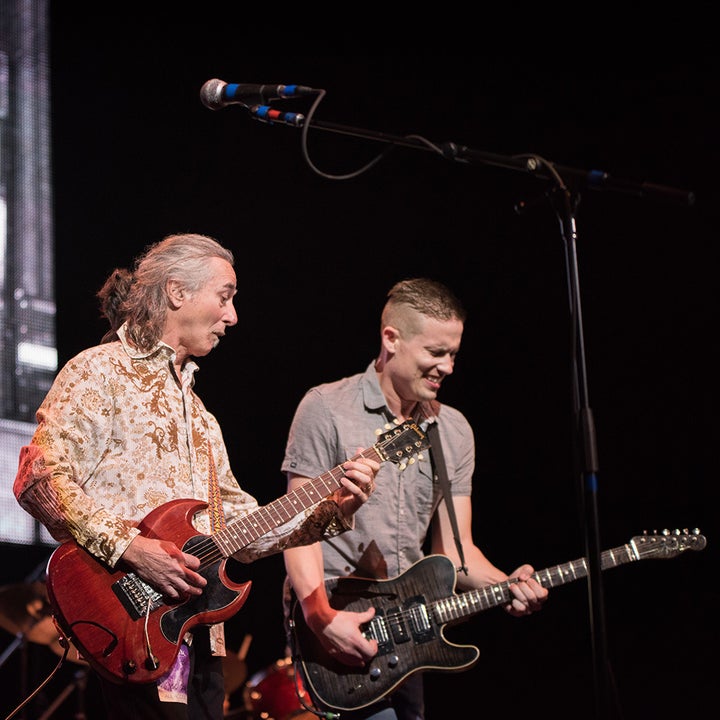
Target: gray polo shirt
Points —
{"points": [[331, 422]]}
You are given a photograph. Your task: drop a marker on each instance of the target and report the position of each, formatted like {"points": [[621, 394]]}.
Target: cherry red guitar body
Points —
{"points": [[121, 626]]}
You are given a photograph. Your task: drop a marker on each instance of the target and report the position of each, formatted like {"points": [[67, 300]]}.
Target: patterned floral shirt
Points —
{"points": [[119, 435]]}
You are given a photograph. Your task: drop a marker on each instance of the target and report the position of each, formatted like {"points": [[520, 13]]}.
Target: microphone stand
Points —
{"points": [[585, 448]]}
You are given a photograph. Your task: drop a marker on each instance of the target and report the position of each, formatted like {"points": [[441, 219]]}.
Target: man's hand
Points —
{"points": [[163, 565], [528, 594], [358, 484], [341, 635]]}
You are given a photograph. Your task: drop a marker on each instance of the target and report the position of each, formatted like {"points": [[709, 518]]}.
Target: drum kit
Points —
{"points": [[277, 692], [273, 693]]}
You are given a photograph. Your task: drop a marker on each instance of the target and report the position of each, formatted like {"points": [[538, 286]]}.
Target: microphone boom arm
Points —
{"points": [[592, 179]]}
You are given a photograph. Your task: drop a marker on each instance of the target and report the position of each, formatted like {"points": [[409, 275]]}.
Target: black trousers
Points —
{"points": [[206, 691]]}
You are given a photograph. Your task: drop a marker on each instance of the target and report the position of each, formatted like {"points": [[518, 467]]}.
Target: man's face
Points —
{"points": [[205, 314], [422, 361]]}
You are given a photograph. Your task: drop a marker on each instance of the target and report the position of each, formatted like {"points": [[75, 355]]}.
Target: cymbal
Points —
{"points": [[25, 610], [22, 607]]}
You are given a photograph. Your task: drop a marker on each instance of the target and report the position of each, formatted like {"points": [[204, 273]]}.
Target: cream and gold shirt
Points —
{"points": [[118, 435]]}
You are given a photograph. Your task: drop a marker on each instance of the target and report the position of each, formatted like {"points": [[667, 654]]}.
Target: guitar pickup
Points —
{"points": [[136, 596], [410, 621], [417, 612]]}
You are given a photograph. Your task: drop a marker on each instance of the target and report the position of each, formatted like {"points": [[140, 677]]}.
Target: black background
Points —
{"points": [[136, 156]]}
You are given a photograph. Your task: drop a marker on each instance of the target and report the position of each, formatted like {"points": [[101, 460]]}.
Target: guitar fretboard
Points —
{"points": [[246, 530]]}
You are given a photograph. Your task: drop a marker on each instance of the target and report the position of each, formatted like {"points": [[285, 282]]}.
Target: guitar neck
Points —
{"points": [[475, 601], [239, 533]]}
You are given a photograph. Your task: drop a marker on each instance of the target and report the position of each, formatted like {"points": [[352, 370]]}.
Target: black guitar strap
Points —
{"points": [[438, 461]]}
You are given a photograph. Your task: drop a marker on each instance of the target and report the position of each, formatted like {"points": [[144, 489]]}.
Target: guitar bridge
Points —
{"points": [[136, 596]]}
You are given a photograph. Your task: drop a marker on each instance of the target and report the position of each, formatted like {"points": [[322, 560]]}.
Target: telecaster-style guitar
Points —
{"points": [[125, 629], [412, 609]]}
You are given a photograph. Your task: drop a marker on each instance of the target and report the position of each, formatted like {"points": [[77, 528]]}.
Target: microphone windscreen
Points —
{"points": [[211, 94]]}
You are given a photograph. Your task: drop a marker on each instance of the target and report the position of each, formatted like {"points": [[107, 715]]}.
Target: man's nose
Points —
{"points": [[231, 317]]}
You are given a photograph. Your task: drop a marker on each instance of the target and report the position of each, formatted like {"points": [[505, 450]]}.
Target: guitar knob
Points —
{"points": [[129, 667], [393, 660], [375, 673]]}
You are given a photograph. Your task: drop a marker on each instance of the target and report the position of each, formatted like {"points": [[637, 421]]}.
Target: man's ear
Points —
{"points": [[390, 336], [175, 293]]}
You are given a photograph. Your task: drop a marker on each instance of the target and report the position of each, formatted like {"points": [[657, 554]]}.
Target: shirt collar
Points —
{"points": [[160, 348], [372, 394]]}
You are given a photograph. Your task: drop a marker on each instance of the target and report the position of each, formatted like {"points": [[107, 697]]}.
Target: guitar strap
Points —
{"points": [[438, 461], [217, 516], [215, 508], [217, 522]]}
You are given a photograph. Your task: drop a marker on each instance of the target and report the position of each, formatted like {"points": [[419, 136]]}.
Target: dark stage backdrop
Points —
{"points": [[137, 156]]}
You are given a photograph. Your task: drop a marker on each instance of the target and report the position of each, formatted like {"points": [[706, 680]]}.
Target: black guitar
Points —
{"points": [[125, 629], [412, 609]]}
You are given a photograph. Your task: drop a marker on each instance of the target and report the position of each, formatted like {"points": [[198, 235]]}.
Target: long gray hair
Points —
{"points": [[140, 297]]}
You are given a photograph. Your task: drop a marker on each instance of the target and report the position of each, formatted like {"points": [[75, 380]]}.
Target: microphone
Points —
{"points": [[216, 94]]}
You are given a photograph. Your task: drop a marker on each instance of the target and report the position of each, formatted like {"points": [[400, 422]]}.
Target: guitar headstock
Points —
{"points": [[668, 544], [400, 444]]}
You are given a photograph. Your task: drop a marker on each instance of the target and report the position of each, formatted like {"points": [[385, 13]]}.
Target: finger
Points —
{"points": [[194, 579], [191, 561], [358, 486]]}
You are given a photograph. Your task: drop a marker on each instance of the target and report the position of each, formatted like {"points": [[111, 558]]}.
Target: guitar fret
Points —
{"points": [[264, 523], [468, 603], [220, 538], [278, 517], [283, 512], [310, 493], [249, 529]]}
